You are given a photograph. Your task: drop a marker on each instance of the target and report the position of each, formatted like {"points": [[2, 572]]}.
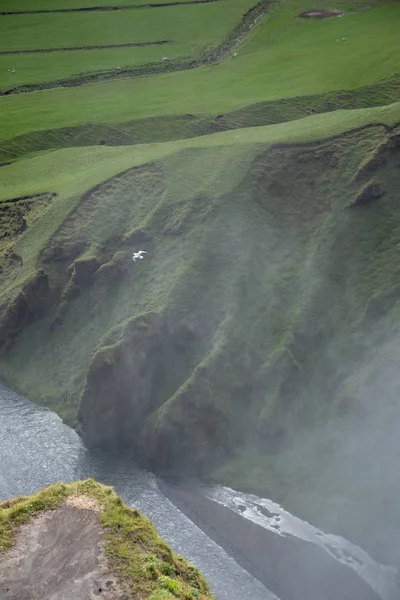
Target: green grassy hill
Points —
{"points": [[259, 170]]}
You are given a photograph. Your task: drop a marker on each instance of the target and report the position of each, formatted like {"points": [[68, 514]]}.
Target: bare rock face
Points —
{"points": [[84, 269], [29, 304], [181, 436], [120, 383], [142, 396]]}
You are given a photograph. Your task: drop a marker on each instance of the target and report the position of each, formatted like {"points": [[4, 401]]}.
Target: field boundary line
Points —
{"points": [[111, 8], [83, 48]]}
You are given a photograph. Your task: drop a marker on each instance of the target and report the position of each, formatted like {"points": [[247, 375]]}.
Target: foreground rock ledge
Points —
{"points": [[80, 541]]}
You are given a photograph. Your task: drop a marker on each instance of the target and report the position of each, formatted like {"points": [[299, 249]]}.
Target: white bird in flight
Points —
{"points": [[137, 255]]}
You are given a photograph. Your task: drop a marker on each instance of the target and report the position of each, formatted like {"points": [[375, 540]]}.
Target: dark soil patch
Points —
{"points": [[320, 13], [106, 8], [74, 48]]}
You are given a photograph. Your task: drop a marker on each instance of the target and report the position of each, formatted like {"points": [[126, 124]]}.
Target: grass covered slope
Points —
{"points": [[264, 190], [267, 70], [266, 288], [143, 564], [164, 198]]}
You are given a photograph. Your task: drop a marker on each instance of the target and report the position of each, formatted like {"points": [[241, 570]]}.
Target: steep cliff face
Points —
{"points": [[283, 290], [265, 302], [129, 378]]}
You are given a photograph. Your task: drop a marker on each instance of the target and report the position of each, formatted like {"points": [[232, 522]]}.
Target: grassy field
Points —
{"points": [[264, 189], [26, 5], [39, 68], [308, 61], [200, 25], [188, 31]]}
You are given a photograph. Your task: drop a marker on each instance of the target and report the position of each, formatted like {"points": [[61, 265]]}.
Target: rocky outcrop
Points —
{"points": [[197, 419], [29, 304], [369, 193]]}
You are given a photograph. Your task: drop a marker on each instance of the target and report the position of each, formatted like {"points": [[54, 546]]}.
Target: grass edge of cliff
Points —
{"points": [[145, 565]]}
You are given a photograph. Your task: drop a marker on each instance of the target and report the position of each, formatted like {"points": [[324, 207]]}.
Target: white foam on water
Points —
{"points": [[275, 518]]}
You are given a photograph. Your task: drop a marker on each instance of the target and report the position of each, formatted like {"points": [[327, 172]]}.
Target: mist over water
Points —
{"points": [[345, 470]]}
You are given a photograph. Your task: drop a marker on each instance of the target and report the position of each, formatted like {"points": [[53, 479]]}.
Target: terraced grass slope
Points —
{"points": [[261, 178], [72, 45]]}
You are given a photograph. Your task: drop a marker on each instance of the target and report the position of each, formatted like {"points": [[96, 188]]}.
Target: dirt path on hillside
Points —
{"points": [[59, 555]]}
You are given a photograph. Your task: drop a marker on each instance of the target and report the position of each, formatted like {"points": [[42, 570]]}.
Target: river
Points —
{"points": [[37, 449]]}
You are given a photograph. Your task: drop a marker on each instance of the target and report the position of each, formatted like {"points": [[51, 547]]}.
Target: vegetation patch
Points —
{"points": [[167, 128]]}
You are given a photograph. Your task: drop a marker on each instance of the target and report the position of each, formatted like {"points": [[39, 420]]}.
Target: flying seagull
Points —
{"points": [[137, 255]]}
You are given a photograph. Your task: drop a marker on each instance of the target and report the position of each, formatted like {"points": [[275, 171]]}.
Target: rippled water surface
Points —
{"points": [[37, 449]]}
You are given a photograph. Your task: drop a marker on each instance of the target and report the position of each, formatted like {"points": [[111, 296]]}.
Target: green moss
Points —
{"points": [[137, 555]]}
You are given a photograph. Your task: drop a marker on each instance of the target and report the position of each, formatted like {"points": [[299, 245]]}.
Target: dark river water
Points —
{"points": [[37, 449]]}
